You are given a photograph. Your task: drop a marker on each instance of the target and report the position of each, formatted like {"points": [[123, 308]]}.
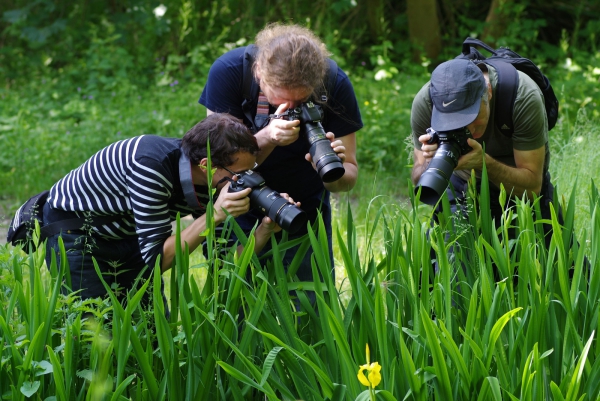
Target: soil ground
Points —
{"points": [[5, 217]]}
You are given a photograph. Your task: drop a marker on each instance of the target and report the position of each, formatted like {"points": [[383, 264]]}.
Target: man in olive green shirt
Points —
{"points": [[462, 94]]}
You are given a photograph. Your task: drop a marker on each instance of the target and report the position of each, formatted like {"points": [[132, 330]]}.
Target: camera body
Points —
{"points": [[452, 145], [456, 141], [287, 215], [329, 165]]}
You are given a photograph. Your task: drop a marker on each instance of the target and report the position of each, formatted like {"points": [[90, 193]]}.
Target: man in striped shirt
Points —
{"points": [[139, 185]]}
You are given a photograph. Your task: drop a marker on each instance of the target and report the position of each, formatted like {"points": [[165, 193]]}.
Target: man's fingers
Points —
{"points": [[293, 124], [424, 138], [282, 108], [238, 195]]}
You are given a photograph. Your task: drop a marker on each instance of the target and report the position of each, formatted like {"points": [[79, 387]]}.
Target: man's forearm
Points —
{"points": [[191, 236], [516, 181], [264, 144], [346, 182], [417, 171], [262, 235]]}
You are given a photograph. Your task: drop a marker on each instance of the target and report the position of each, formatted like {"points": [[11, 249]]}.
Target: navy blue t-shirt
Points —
{"points": [[285, 169]]}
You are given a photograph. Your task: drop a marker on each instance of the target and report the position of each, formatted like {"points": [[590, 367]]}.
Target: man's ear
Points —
{"points": [[203, 163]]}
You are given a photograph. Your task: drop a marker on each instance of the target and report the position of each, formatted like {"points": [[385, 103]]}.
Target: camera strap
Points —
{"points": [[185, 177], [262, 111]]}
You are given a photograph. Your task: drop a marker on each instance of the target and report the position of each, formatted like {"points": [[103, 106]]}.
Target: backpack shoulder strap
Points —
{"points": [[506, 94], [508, 80], [249, 86]]}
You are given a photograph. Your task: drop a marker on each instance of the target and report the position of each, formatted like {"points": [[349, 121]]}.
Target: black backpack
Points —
{"points": [[250, 87], [507, 62], [20, 230], [22, 225]]}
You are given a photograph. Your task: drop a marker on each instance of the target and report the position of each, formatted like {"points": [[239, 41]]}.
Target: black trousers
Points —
{"points": [[120, 261]]}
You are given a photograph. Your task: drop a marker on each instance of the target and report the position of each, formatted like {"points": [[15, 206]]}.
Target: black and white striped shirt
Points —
{"points": [[137, 178]]}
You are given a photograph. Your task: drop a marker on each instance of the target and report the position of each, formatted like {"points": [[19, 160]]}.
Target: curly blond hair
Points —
{"points": [[290, 56]]}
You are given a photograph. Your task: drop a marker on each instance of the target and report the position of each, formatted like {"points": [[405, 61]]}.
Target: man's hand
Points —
{"points": [[427, 149], [268, 226], [473, 159], [422, 157], [283, 132], [236, 203], [336, 145]]}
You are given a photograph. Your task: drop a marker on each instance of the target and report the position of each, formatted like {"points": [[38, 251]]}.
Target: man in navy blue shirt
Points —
{"points": [[289, 68]]}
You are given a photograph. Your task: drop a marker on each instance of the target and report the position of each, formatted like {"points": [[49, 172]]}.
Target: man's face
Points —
{"points": [[243, 161], [478, 126], [294, 97]]}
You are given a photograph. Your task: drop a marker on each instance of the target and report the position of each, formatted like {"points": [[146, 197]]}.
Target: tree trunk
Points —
{"points": [[424, 28], [496, 21], [371, 11], [375, 19]]}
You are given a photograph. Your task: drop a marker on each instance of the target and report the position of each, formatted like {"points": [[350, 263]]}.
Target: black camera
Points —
{"points": [[329, 165], [287, 215], [434, 180]]}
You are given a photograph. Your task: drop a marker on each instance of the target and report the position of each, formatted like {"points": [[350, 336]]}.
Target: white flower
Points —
{"points": [[571, 66], [382, 74], [159, 11]]}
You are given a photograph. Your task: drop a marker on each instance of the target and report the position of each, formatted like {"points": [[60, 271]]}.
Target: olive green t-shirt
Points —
{"points": [[529, 118]]}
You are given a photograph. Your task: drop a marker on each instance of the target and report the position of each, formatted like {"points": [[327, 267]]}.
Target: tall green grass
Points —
{"points": [[503, 318], [574, 166]]}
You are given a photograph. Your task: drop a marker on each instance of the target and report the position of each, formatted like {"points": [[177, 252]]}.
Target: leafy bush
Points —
{"points": [[139, 37]]}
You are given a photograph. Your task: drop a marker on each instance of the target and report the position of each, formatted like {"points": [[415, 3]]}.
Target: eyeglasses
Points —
{"points": [[234, 174]]}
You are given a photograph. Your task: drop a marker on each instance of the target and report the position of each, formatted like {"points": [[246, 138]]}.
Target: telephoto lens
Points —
{"points": [[435, 179], [287, 215], [329, 165]]}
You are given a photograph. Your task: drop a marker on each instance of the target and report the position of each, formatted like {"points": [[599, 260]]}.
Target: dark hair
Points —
{"points": [[227, 136]]}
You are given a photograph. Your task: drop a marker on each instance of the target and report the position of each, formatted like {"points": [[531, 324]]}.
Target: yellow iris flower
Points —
{"points": [[373, 377]]}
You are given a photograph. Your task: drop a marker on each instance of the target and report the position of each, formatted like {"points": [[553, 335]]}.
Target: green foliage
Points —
{"points": [[500, 319], [385, 110], [101, 41], [574, 165], [54, 127]]}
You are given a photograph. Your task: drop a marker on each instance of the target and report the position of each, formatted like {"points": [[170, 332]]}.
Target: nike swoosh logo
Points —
{"points": [[449, 103]]}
